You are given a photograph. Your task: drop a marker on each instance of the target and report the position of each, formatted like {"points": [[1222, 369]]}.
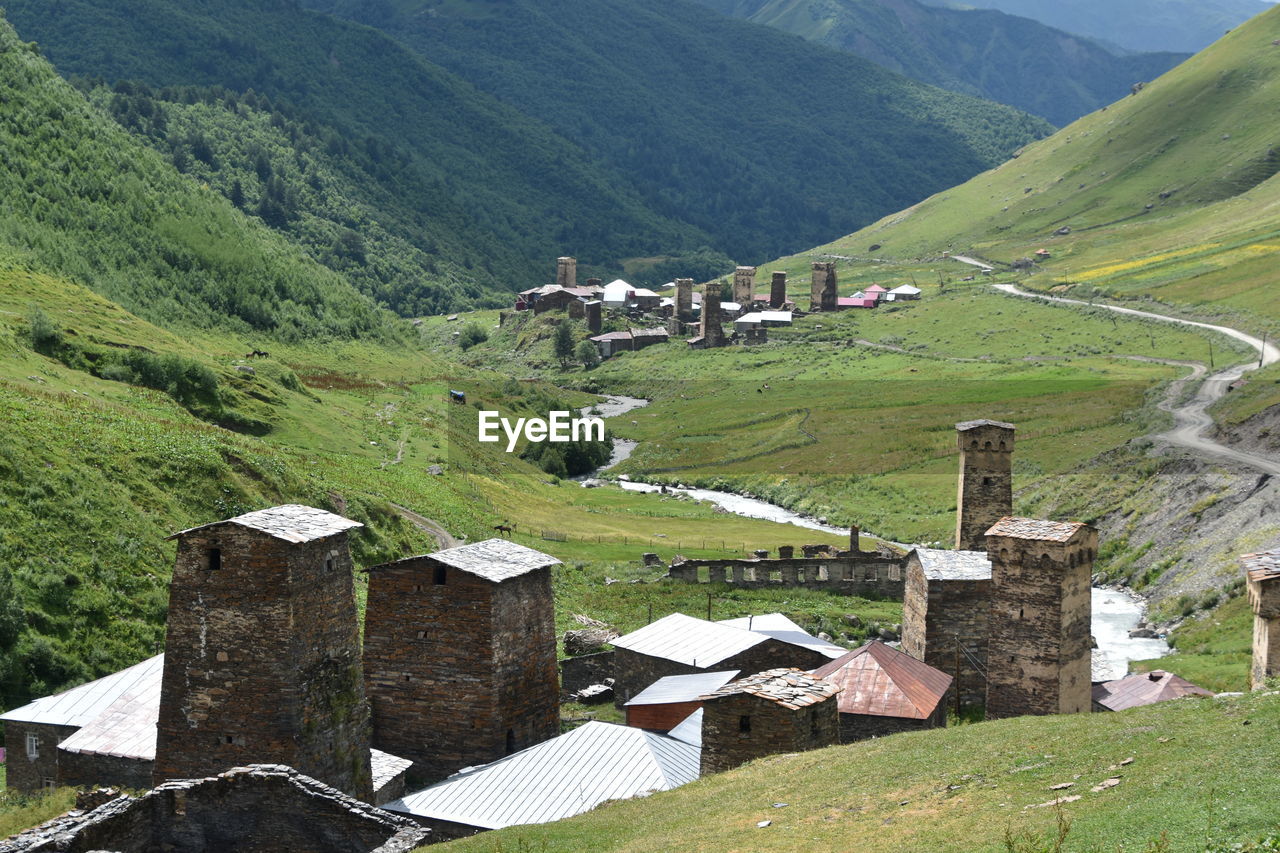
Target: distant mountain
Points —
{"points": [[1004, 58], [1181, 25]]}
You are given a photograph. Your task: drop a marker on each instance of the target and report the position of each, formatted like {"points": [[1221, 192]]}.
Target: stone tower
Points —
{"points": [[262, 660], [712, 333], [985, 493], [460, 655], [567, 272], [593, 314], [822, 292], [1038, 655], [682, 309], [778, 290], [1262, 574], [744, 285]]}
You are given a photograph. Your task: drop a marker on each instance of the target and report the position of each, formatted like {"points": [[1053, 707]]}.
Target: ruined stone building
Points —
{"points": [[1038, 652], [822, 292], [779, 710], [460, 655], [262, 651], [744, 285], [1262, 576], [945, 612], [986, 480], [884, 691]]}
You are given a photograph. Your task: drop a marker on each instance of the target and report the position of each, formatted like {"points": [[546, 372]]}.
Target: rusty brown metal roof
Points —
{"points": [[1263, 566], [790, 688], [291, 522], [884, 682], [1036, 528], [1144, 688]]}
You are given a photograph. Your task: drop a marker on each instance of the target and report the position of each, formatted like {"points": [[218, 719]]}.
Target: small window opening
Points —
{"points": [[417, 587], [33, 746], [408, 678], [328, 564], [1019, 612], [49, 784], [422, 635], [511, 741], [744, 723], [215, 559], [986, 481], [439, 577]]}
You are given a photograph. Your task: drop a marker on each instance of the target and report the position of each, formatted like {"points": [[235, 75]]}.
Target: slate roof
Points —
{"points": [[682, 688], [1144, 688], [687, 640], [1036, 528], [495, 560], [790, 688], [558, 778], [940, 565], [1263, 566], [291, 523], [79, 706], [881, 681], [964, 426], [386, 767], [779, 627]]}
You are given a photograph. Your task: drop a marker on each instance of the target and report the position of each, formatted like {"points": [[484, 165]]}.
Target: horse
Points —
{"points": [[505, 529]]}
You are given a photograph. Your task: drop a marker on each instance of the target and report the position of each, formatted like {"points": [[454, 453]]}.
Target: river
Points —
{"points": [[1114, 613]]}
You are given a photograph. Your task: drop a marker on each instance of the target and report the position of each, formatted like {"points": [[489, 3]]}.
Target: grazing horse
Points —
{"points": [[257, 354], [505, 529]]}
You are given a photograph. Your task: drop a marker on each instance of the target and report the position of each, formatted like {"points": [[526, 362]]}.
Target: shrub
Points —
{"points": [[471, 335]]}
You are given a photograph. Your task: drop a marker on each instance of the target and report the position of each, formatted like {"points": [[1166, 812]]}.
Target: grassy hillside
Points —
{"points": [[1198, 778], [757, 138], [987, 53]]}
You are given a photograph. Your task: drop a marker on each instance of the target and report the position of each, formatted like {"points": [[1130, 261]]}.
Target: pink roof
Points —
{"points": [[850, 302], [875, 288], [1144, 688]]}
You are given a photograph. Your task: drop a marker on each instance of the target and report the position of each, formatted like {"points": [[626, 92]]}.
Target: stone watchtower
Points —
{"points": [[682, 309], [986, 480], [744, 285], [712, 332], [460, 655], [567, 272], [780, 710], [262, 660], [1262, 574], [822, 292], [778, 290], [1038, 651]]}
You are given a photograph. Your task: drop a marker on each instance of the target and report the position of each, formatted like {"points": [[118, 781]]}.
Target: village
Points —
{"points": [[687, 312], [443, 719]]}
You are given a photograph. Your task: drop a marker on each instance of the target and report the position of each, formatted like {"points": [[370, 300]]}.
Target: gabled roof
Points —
{"points": [[386, 767], [940, 565], [906, 290], [881, 681], [781, 628], [790, 688], [875, 288], [644, 291], [558, 778], [1036, 529], [291, 523], [682, 688], [687, 640], [127, 727], [1263, 566], [1144, 688], [965, 426], [81, 705], [494, 560]]}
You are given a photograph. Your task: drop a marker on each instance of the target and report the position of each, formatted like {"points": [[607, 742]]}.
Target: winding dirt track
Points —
{"points": [[1191, 419], [431, 528]]}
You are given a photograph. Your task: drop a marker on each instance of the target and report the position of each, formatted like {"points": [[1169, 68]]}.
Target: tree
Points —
{"points": [[564, 343], [472, 334], [588, 354]]}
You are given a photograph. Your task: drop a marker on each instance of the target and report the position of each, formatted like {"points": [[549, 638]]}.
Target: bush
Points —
{"points": [[588, 354], [471, 335], [46, 338]]}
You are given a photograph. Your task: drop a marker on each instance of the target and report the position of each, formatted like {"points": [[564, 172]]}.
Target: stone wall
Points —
{"points": [[1264, 599], [771, 729], [938, 614], [257, 809], [567, 272], [778, 290], [855, 727], [823, 295], [30, 774], [459, 670], [744, 285], [634, 672], [262, 659], [80, 770], [1038, 657], [584, 671], [710, 327], [985, 493], [866, 574]]}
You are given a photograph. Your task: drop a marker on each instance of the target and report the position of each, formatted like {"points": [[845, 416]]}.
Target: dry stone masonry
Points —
{"points": [[822, 293], [744, 285], [567, 272], [778, 290], [986, 480], [945, 616], [779, 710], [1262, 575]]}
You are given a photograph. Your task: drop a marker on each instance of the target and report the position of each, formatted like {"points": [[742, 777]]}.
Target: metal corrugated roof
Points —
{"points": [[781, 628], [689, 729], [81, 705], [1144, 688], [940, 565], [495, 559], [1263, 566], [790, 688], [687, 640], [558, 778], [127, 727], [882, 681], [682, 688], [291, 522], [1036, 528]]}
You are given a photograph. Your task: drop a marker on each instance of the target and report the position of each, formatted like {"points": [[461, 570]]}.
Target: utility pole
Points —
{"points": [[1262, 353], [956, 683], [708, 607], [1211, 353]]}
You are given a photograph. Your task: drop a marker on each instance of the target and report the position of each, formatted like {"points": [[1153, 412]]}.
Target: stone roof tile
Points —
{"points": [[1036, 528], [790, 688], [291, 523], [1263, 566], [495, 559]]}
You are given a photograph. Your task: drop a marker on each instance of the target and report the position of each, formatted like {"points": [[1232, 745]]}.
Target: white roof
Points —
{"points": [[939, 565], [730, 306], [494, 559], [644, 291], [765, 317], [617, 290], [689, 730], [682, 688], [79, 706], [691, 641], [907, 290], [858, 295], [291, 523], [781, 628], [558, 778]]}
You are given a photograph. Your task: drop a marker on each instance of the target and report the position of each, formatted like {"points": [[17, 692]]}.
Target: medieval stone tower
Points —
{"points": [[1038, 657], [822, 288], [460, 655], [567, 272], [778, 290], [1262, 573], [262, 659], [682, 310], [744, 285], [986, 480], [711, 330]]}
